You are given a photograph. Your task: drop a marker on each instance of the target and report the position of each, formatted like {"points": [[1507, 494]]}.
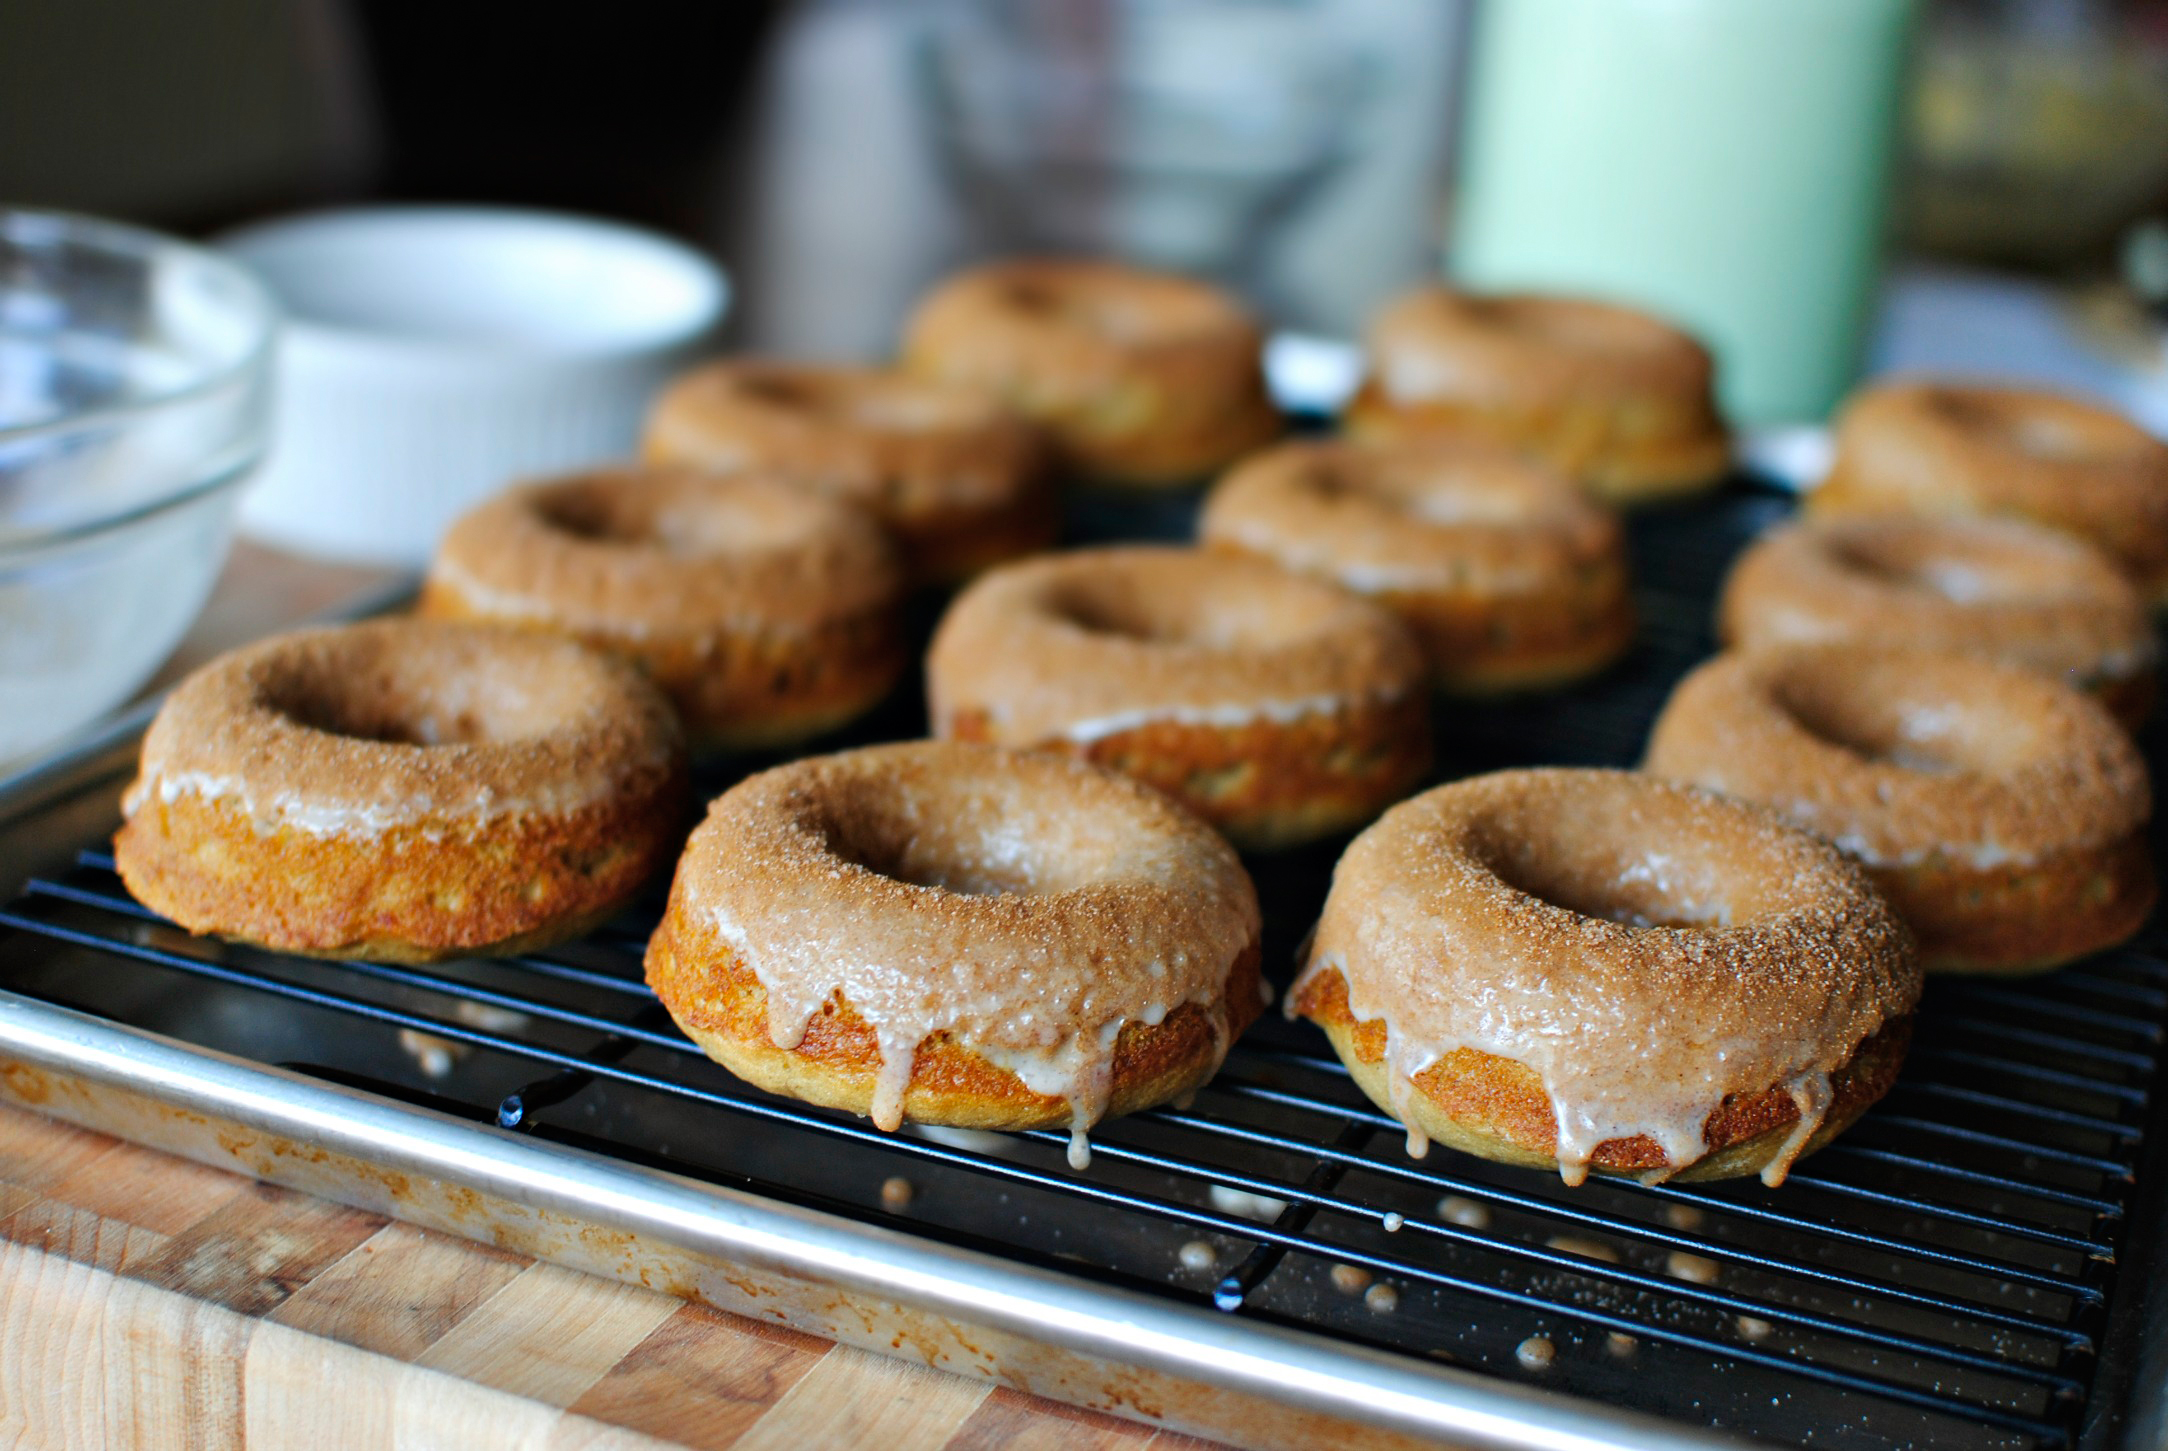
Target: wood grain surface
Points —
{"points": [[148, 1301]]}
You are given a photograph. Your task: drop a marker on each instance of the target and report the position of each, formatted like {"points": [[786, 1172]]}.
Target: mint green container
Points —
{"points": [[1723, 163]]}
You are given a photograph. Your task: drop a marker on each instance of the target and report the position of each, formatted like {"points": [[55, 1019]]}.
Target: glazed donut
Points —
{"points": [[1597, 969], [962, 935], [2002, 814], [1919, 447], [1998, 588], [1613, 398], [1510, 576], [1141, 378], [766, 614], [961, 482], [403, 791], [1277, 708]]}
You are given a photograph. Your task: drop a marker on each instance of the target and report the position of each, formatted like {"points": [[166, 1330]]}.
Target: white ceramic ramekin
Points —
{"points": [[433, 354]]}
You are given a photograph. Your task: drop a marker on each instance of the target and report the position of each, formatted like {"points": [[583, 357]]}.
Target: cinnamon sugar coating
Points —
{"points": [[766, 613], [1507, 573], [1140, 377], [958, 479], [1614, 398], [2002, 589], [2003, 813], [1121, 647], [1650, 952], [402, 789], [1024, 909], [1943, 447]]}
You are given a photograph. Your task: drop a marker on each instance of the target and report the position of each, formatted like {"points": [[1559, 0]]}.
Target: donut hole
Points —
{"points": [[1615, 882], [1113, 605], [1878, 711], [906, 859], [424, 698], [1616, 847], [968, 839], [1980, 573], [684, 515], [1440, 492], [1124, 615], [593, 515], [2035, 428]]}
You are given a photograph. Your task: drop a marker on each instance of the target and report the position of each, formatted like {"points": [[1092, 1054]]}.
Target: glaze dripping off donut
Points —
{"points": [[962, 935], [1598, 970]]}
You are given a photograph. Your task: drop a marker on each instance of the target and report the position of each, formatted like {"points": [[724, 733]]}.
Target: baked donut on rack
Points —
{"points": [[1142, 378], [2002, 589], [403, 791], [1278, 708], [1599, 970], [767, 614], [1615, 399], [957, 934], [959, 480], [1510, 576], [2002, 814], [1919, 446]]}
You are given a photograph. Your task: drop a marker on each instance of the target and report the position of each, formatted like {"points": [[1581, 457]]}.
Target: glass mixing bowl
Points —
{"points": [[134, 383]]}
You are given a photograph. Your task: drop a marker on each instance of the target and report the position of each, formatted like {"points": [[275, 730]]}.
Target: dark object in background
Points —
{"points": [[2039, 129], [614, 110]]}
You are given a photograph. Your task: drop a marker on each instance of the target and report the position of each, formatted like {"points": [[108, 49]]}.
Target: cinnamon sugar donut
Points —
{"points": [[1278, 708], [960, 481], [1613, 398], [2002, 814], [403, 791], [1942, 448], [1510, 576], [1597, 969], [767, 614], [958, 934], [1141, 378], [1998, 588]]}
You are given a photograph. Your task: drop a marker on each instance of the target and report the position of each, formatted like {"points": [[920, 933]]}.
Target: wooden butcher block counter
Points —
{"points": [[149, 1301]]}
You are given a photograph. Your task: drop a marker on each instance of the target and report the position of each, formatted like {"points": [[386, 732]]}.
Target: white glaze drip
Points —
{"points": [[1811, 1095], [1595, 1097]]}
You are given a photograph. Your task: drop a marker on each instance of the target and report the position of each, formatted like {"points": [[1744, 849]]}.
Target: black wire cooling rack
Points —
{"points": [[1951, 1272]]}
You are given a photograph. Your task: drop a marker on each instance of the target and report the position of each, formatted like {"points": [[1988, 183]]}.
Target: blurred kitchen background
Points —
{"points": [[836, 154], [1817, 188]]}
